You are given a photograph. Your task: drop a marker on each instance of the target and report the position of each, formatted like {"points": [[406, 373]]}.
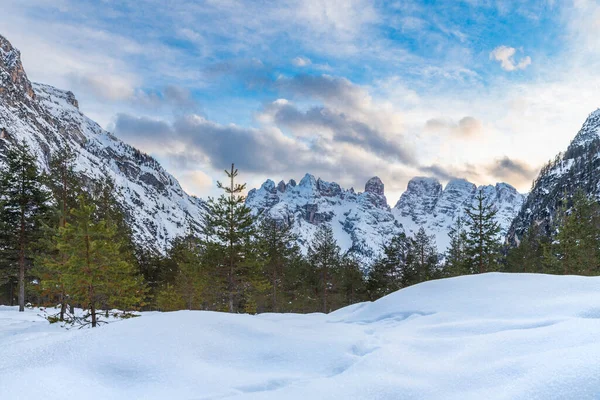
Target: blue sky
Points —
{"points": [[486, 90]]}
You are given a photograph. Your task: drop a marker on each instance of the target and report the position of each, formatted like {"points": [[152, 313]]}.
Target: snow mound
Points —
{"points": [[491, 336]]}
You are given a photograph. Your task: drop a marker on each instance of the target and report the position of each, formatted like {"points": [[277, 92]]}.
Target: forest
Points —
{"points": [[65, 245]]}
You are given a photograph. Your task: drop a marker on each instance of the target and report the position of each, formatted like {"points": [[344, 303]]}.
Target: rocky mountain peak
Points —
{"points": [[589, 131], [308, 182], [374, 185], [13, 80]]}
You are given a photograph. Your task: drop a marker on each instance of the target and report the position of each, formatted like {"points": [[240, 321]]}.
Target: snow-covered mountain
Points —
{"points": [[577, 168], [429, 205], [49, 120], [363, 221]]}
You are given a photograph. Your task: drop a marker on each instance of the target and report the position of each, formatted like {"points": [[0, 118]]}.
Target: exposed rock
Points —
{"points": [[425, 204], [577, 169], [48, 120]]}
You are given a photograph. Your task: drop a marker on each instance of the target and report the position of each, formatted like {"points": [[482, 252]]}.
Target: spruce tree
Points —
{"points": [[528, 256], [391, 271], [229, 229], [350, 282], [575, 245], [424, 256], [456, 257], [96, 272], [278, 253], [324, 256], [23, 206], [482, 236], [66, 185]]}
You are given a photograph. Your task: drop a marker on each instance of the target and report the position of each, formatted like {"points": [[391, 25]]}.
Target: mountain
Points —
{"points": [[429, 205], [577, 168], [362, 222], [49, 120]]}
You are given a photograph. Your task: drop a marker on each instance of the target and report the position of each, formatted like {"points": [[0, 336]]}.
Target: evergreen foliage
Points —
{"points": [[23, 208], [482, 245]]}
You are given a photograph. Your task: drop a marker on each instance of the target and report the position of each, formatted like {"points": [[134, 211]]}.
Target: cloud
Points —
{"points": [[445, 173], [506, 56], [339, 128], [512, 170], [301, 61], [466, 127]]}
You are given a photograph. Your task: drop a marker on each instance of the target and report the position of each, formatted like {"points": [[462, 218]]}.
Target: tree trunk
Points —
{"points": [[324, 277], [93, 309], [63, 305], [22, 263]]}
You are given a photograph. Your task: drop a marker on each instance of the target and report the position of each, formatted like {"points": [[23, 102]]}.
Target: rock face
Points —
{"points": [[361, 221], [426, 204], [49, 120], [576, 169]]}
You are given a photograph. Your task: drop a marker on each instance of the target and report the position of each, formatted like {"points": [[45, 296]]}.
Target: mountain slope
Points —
{"points": [[577, 168], [425, 203], [362, 222], [49, 120]]}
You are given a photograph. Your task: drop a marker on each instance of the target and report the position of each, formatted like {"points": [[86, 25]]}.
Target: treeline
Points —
{"points": [[64, 242]]}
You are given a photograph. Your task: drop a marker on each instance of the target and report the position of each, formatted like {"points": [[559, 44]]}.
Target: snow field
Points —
{"points": [[491, 336]]}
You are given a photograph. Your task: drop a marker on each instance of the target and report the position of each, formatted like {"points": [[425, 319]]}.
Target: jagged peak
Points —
{"points": [[589, 131], [419, 181], [13, 80], [52, 94], [308, 181], [374, 185], [268, 185]]}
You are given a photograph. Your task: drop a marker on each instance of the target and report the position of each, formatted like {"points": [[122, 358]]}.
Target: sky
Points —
{"points": [[487, 90]]}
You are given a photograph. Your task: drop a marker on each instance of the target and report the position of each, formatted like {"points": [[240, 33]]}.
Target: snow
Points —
{"points": [[491, 336]]}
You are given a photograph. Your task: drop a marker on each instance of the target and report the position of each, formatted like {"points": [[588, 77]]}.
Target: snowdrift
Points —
{"points": [[491, 336]]}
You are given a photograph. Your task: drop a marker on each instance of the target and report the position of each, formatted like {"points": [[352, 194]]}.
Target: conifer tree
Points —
{"points": [[456, 257], [528, 256], [230, 232], [66, 185], [23, 206], [96, 273], [279, 252], [482, 236], [424, 256], [575, 246], [324, 257], [351, 284], [391, 271]]}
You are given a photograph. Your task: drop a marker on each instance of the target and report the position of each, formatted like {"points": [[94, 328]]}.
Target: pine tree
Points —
{"points": [[391, 271], [424, 256], [230, 232], [528, 256], [279, 252], [66, 185], [23, 206], [350, 282], [482, 236], [456, 257], [192, 279], [324, 257], [96, 273], [575, 246]]}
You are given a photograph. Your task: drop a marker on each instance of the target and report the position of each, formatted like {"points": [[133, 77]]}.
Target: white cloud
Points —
{"points": [[301, 61], [506, 56]]}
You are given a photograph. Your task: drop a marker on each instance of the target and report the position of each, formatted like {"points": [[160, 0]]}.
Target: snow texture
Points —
{"points": [[49, 120], [490, 336], [362, 222]]}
